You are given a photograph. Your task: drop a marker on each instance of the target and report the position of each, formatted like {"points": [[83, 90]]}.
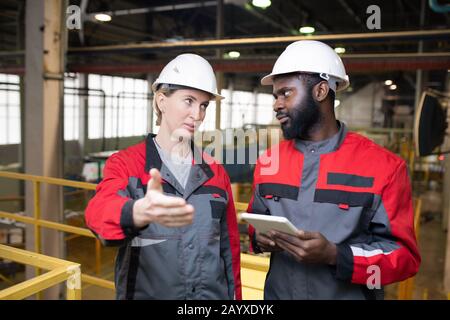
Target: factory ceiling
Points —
{"points": [[143, 35]]}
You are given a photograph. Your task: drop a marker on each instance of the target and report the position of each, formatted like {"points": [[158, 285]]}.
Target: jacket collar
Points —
{"points": [[324, 146], [200, 171]]}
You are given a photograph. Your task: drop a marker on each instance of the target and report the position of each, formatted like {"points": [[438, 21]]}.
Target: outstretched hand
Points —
{"points": [[157, 207]]}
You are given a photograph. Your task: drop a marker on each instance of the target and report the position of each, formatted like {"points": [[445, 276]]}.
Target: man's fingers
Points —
{"points": [[306, 235], [287, 238], [155, 181], [289, 247], [265, 240]]}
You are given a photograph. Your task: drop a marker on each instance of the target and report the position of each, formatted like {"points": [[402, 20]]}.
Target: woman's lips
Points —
{"points": [[189, 127]]}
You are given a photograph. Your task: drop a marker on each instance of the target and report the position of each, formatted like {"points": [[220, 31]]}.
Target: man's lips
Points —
{"points": [[282, 118]]}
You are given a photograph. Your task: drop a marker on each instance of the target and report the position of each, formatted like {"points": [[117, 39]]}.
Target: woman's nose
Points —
{"points": [[196, 112]]}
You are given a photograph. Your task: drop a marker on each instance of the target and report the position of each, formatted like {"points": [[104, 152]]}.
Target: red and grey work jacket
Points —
{"points": [[199, 261], [354, 192]]}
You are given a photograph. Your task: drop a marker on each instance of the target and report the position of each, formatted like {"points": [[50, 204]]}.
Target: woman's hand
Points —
{"points": [[156, 207]]}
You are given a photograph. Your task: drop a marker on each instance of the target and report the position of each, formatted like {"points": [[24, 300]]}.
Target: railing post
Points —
{"points": [[74, 283], [98, 261], [37, 227]]}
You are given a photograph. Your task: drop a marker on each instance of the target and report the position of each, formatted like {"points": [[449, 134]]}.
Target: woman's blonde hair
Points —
{"points": [[166, 90]]}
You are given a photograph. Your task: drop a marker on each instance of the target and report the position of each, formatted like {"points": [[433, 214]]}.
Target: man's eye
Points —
{"points": [[188, 101], [287, 93], [204, 106]]}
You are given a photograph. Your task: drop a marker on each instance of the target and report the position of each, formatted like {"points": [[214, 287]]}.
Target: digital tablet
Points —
{"points": [[264, 223]]}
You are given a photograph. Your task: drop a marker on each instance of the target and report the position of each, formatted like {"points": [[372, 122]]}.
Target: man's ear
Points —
{"points": [[161, 101], [320, 91]]}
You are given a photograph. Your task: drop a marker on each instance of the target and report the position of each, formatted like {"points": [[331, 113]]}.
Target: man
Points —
{"points": [[349, 198]]}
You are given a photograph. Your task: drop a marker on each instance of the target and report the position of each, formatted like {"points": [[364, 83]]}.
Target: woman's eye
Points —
{"points": [[188, 101], [204, 106]]}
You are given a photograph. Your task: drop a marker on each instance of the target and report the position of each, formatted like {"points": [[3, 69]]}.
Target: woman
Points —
{"points": [[171, 213]]}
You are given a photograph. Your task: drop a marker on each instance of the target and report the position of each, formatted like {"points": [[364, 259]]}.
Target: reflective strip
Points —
{"points": [[360, 252], [139, 242]]}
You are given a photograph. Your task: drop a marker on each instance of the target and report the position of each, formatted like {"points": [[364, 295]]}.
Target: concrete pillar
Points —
{"points": [[151, 112], [44, 67], [219, 75], [446, 205], [230, 103], [255, 106], [83, 124]]}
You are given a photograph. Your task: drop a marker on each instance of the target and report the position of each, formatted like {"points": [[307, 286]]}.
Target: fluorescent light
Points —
{"points": [[339, 50], [307, 30], [261, 3], [337, 103], [234, 54], [388, 82], [393, 86], [102, 17]]}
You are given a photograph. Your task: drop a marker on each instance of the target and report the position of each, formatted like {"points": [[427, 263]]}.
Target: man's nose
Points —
{"points": [[278, 105]]}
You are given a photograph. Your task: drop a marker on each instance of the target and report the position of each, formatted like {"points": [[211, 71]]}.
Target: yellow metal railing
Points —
{"points": [[405, 288], [39, 223], [59, 271], [253, 275]]}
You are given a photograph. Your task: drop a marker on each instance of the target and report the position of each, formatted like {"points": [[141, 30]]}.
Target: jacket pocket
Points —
{"points": [[276, 191], [351, 180], [217, 209], [344, 198]]}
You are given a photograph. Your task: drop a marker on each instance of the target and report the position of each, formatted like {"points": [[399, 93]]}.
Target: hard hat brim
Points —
{"points": [[215, 95], [267, 80]]}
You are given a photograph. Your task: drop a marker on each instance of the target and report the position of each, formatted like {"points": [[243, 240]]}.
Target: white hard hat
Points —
{"points": [[311, 56], [189, 70]]}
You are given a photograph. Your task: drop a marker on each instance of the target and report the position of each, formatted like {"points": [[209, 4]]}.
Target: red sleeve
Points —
{"points": [[393, 249], [107, 209]]}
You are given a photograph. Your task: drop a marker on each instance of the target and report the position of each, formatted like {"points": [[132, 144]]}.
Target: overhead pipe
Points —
{"points": [[252, 42], [263, 42]]}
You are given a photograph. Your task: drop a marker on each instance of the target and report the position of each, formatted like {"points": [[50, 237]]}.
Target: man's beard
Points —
{"points": [[303, 119]]}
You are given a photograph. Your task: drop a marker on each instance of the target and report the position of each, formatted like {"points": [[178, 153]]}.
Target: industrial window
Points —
{"points": [[241, 108], [119, 108], [9, 109], [71, 108]]}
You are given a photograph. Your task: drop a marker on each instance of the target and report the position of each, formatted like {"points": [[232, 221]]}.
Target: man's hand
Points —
{"points": [[309, 247], [156, 207], [265, 243]]}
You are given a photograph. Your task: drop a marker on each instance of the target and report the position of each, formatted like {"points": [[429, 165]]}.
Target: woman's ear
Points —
{"points": [[161, 101], [320, 91]]}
